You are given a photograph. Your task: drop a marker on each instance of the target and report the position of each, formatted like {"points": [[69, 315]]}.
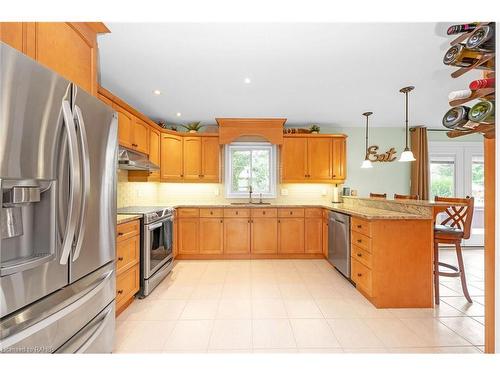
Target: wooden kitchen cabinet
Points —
{"points": [[68, 48], [236, 235], [171, 158], [192, 158], [141, 136], [291, 235], [210, 159], [211, 235], [313, 158], [264, 235], [127, 264], [188, 232], [125, 126], [313, 235]]}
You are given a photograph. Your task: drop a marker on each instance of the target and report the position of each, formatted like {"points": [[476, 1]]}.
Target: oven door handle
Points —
{"points": [[157, 225]]}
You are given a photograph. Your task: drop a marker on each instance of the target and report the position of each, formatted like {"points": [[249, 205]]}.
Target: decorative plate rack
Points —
{"points": [[483, 58]]}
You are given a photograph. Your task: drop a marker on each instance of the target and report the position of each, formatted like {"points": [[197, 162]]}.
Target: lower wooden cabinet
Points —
{"points": [[237, 236], [188, 234], [127, 264], [313, 235], [291, 235], [211, 235], [362, 276], [264, 235]]}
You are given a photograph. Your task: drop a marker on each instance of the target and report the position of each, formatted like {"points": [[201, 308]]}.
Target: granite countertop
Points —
{"points": [[363, 212], [419, 202], [121, 219]]}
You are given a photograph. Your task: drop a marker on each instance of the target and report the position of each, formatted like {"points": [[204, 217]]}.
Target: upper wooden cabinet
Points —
{"points": [[313, 158], [68, 48], [192, 158], [154, 157], [210, 159], [171, 158], [133, 133], [201, 158]]}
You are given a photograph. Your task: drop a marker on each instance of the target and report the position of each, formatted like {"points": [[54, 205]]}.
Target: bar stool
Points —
{"points": [[452, 230], [377, 195], [411, 196]]}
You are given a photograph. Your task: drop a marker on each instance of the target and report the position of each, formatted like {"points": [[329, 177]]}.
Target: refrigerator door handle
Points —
{"points": [[86, 181], [75, 193], [88, 293]]}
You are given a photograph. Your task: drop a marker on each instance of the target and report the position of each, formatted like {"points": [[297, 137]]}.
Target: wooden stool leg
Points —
{"points": [[436, 273], [461, 269]]}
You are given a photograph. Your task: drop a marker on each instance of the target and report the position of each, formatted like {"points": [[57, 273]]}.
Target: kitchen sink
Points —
{"points": [[250, 204]]}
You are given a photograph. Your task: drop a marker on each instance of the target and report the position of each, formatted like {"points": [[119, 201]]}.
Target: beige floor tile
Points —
{"points": [[265, 291], [288, 277], [338, 308], [468, 328], [234, 309], [294, 291], [154, 310], [442, 309], [433, 332], [198, 309], [354, 333], [189, 335], [236, 291], [275, 351], [480, 319], [323, 292], [172, 292], [393, 333], [213, 277], [272, 333], [235, 277], [302, 309], [143, 336], [313, 333], [461, 304], [437, 350], [305, 266], [365, 350], [267, 278], [231, 334], [207, 291], [268, 309]]}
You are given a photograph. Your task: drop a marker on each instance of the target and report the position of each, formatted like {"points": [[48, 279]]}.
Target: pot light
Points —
{"points": [[157, 92], [178, 114], [247, 80]]}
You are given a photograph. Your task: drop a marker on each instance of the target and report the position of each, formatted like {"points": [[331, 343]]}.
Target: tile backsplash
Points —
{"points": [[155, 193]]}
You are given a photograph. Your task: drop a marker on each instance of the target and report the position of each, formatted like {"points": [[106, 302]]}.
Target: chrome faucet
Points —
{"points": [[250, 191]]}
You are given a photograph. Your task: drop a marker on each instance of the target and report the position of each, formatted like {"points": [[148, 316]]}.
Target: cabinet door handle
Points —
{"points": [[236, 212], [359, 226], [359, 241], [221, 220], [360, 274], [120, 258], [211, 213], [182, 175], [359, 255], [120, 234], [279, 221], [263, 212], [120, 291], [334, 175], [291, 213]]}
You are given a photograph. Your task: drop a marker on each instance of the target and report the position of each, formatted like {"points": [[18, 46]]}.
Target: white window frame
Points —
{"points": [[273, 166]]}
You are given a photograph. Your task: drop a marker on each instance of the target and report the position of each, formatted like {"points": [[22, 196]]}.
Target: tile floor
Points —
{"points": [[295, 306]]}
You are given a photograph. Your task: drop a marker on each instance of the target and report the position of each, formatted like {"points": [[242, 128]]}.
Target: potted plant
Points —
{"points": [[314, 129], [193, 127]]}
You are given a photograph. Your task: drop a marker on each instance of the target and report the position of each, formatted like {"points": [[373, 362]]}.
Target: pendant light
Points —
{"points": [[366, 163], [406, 155]]}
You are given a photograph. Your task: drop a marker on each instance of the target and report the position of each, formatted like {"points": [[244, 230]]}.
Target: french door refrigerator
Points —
{"points": [[58, 157]]}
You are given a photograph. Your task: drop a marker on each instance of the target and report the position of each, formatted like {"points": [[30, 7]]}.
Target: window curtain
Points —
{"points": [[420, 168]]}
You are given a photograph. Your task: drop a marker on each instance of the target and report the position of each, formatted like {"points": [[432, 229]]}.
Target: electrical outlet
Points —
{"points": [[216, 192], [284, 191], [324, 192]]}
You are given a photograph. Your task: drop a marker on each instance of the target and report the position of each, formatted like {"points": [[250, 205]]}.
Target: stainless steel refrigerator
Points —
{"points": [[58, 157]]}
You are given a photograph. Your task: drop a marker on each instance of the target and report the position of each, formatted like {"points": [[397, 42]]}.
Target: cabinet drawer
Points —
{"points": [[127, 253], [188, 212], [362, 241], [127, 230], [211, 212], [127, 284], [313, 212], [362, 256], [291, 212], [264, 212], [236, 212], [362, 276], [361, 226]]}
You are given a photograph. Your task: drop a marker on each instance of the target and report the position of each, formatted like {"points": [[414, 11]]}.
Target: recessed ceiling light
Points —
{"points": [[157, 92], [247, 80], [178, 114]]}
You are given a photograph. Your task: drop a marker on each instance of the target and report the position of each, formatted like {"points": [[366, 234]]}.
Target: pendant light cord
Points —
{"points": [[406, 106], [366, 139]]}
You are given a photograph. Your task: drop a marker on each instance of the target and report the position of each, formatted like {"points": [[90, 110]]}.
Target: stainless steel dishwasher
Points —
{"points": [[339, 242]]}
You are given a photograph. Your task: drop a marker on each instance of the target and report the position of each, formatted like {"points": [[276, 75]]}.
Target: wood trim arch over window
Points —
{"points": [[270, 129]]}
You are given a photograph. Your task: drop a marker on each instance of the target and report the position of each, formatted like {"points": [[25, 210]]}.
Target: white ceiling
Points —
{"points": [[306, 72]]}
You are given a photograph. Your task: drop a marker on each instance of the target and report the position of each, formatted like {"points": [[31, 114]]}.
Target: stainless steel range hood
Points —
{"points": [[135, 161]]}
